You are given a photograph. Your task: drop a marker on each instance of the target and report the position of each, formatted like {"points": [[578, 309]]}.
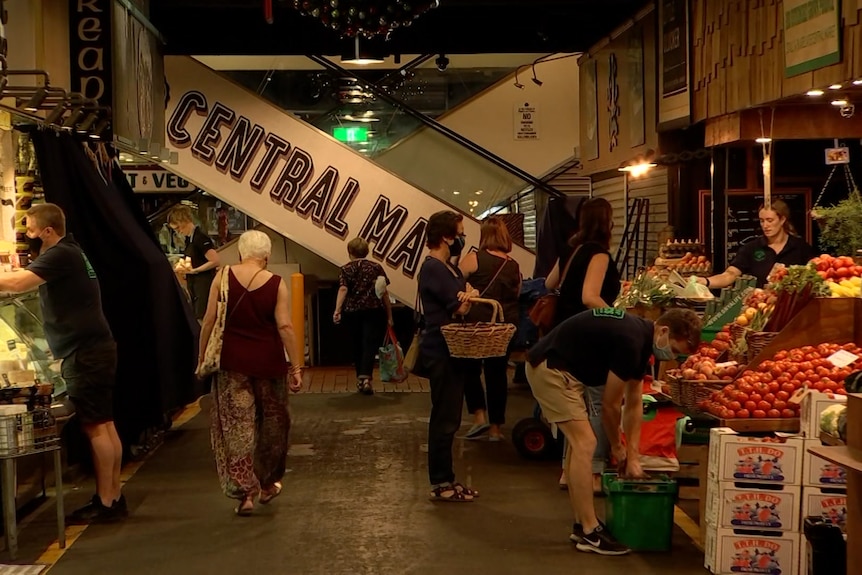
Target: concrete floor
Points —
{"points": [[355, 502]]}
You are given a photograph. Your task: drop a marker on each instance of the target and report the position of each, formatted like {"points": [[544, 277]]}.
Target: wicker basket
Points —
{"points": [[688, 393], [757, 340], [737, 332], [479, 340]]}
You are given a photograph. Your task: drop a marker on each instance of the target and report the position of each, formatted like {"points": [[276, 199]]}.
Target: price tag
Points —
{"points": [[842, 358]]}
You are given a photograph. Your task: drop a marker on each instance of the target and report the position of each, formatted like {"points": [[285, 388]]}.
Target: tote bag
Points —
{"points": [[212, 354], [391, 359]]}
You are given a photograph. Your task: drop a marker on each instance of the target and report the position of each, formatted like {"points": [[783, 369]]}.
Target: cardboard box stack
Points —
{"points": [[824, 484], [754, 501]]}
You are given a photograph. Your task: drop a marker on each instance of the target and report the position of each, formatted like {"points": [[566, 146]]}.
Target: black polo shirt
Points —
{"points": [[197, 247], [70, 298], [757, 259], [595, 342]]}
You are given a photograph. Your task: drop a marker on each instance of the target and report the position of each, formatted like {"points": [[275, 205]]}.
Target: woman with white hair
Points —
{"points": [[250, 418]]}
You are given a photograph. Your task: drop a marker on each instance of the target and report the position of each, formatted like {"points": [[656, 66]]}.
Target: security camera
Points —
{"points": [[442, 62], [848, 111]]}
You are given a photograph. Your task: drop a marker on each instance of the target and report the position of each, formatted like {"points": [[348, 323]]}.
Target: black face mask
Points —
{"points": [[34, 245], [457, 246]]}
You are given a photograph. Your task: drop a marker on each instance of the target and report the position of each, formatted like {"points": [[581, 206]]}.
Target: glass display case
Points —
{"points": [[23, 347]]}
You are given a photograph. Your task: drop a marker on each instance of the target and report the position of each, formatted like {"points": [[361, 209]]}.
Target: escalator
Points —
{"points": [[317, 192]]}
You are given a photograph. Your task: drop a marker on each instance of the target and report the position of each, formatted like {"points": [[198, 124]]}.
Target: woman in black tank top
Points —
{"points": [[497, 277]]}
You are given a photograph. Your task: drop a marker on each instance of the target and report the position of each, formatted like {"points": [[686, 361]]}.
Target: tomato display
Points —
{"points": [[765, 391], [837, 267]]}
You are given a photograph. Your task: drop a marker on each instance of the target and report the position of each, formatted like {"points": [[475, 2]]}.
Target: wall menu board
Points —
{"points": [[743, 221]]}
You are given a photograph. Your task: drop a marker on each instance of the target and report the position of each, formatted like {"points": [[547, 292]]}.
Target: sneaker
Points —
{"points": [[577, 533], [477, 431], [121, 507], [94, 512], [602, 542]]}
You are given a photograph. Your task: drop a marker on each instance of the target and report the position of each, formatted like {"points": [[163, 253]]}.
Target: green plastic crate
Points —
{"points": [[639, 512]]}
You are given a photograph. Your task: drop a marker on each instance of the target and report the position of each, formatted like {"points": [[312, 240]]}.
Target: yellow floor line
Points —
{"points": [[689, 527], [53, 553]]}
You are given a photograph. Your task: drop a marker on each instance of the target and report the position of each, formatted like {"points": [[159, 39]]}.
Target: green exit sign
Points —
{"points": [[353, 134]]}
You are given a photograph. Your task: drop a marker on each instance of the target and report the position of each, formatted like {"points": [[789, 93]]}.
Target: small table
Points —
{"points": [[7, 469]]}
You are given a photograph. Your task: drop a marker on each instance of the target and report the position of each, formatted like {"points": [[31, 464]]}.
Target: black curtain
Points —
{"points": [[559, 223], [150, 317]]}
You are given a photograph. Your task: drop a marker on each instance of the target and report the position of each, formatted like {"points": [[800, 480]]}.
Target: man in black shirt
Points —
{"points": [[602, 347], [78, 333], [201, 250]]}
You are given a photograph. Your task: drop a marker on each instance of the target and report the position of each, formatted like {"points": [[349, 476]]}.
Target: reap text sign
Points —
{"points": [[295, 179], [90, 49]]}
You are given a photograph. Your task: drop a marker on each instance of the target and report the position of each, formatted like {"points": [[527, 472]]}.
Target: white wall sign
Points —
{"points": [[157, 181], [296, 179], [812, 35], [526, 122]]}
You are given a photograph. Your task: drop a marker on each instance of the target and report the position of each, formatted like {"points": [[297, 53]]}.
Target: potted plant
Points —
{"points": [[841, 225]]}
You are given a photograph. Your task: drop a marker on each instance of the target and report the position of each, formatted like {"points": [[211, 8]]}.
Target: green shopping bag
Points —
{"points": [[391, 359]]}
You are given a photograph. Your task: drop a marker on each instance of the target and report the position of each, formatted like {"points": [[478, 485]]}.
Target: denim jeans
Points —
{"points": [[593, 400]]}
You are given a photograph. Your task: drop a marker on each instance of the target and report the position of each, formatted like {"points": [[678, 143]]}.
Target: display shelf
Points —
{"points": [[848, 457], [829, 439], [761, 425]]}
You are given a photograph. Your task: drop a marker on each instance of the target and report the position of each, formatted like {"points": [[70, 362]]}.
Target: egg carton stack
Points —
{"points": [[824, 484], [754, 499]]}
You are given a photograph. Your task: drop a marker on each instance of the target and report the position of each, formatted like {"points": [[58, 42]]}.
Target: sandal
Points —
{"points": [[450, 493], [245, 508], [268, 495], [474, 493]]}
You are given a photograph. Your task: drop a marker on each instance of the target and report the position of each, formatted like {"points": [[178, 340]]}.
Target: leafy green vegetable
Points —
{"points": [[841, 225]]}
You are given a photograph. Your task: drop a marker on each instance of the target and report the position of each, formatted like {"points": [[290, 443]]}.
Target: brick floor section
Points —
{"points": [[343, 380]]}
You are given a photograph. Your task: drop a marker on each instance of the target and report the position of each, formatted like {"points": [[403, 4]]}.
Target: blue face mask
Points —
{"points": [[663, 352]]}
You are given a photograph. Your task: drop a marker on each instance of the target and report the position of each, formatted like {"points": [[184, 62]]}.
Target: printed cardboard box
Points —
{"points": [[832, 507], [766, 460], [817, 472], [731, 507], [811, 407], [727, 552]]}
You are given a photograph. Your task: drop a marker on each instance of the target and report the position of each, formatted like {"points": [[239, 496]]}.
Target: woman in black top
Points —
{"points": [[591, 281], [443, 292], [780, 244], [496, 276], [201, 250]]}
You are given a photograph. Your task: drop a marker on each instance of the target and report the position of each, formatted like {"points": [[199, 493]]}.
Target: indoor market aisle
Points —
{"points": [[355, 502]]}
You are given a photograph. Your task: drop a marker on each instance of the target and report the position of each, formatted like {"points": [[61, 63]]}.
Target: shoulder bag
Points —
{"points": [[212, 355], [544, 311]]}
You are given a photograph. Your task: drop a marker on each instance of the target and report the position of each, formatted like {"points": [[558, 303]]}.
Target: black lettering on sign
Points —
{"points": [[275, 148], [382, 225], [295, 174], [335, 223], [409, 249], [318, 198], [190, 101], [210, 135], [239, 149], [90, 67]]}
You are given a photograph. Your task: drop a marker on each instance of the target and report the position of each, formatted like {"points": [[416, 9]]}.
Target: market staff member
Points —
{"points": [[609, 347], [205, 259], [78, 333], [779, 244]]}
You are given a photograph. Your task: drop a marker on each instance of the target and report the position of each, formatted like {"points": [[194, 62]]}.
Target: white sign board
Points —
{"points": [[837, 156], [157, 181], [526, 122], [812, 35], [297, 180]]}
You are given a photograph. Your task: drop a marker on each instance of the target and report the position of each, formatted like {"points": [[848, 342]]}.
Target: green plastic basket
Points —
{"points": [[639, 512]]}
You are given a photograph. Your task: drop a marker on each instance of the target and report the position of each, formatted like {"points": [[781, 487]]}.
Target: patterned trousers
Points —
{"points": [[250, 426]]}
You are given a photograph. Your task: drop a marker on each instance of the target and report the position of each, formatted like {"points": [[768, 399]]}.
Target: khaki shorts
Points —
{"points": [[559, 394]]}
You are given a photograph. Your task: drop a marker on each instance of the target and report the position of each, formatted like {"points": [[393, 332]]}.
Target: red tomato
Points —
{"points": [[728, 389], [764, 405], [743, 414], [769, 398], [806, 349], [788, 413], [781, 355], [843, 273], [759, 413], [840, 391], [755, 397], [784, 394], [818, 386], [734, 405], [727, 414], [774, 386], [773, 413], [780, 404], [746, 387], [741, 396], [805, 366], [848, 261], [765, 377], [750, 405], [800, 377]]}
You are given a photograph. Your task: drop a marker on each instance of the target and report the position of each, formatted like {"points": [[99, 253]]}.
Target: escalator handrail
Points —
{"points": [[439, 128]]}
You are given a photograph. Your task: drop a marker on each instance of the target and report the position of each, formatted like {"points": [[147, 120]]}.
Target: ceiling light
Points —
{"points": [[155, 150], [456, 193], [763, 140], [361, 55], [814, 93], [478, 192], [35, 100], [165, 155], [126, 159], [637, 170], [857, 82], [841, 103], [835, 87], [143, 145]]}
